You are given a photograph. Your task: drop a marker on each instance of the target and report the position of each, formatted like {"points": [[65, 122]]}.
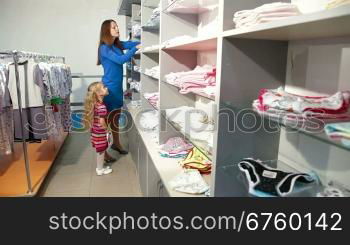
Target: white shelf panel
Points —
{"points": [[154, 78], [324, 24], [196, 44], [191, 7], [154, 50], [167, 168], [151, 3]]}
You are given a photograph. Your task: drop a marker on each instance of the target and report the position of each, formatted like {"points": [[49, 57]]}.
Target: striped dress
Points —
{"points": [[98, 133]]}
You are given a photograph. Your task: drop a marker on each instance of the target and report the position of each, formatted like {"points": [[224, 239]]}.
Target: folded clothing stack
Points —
{"points": [[337, 3], [136, 30], [201, 80], [279, 103], [149, 120], [191, 6], [265, 13], [197, 160], [154, 20], [190, 181], [153, 72], [153, 99], [193, 122], [339, 131], [175, 148]]}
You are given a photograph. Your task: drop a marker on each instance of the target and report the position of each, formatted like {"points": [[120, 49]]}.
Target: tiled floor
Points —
{"points": [[73, 174]]}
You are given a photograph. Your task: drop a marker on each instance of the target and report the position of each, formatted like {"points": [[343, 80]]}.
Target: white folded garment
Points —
{"points": [[149, 120], [190, 181], [265, 13], [192, 122], [153, 72]]}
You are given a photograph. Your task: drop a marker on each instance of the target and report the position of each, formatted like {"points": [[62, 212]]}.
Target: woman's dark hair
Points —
{"points": [[107, 38]]}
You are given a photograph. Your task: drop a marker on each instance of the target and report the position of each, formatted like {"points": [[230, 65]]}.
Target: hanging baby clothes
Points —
{"points": [[31, 100], [6, 114], [30, 92]]}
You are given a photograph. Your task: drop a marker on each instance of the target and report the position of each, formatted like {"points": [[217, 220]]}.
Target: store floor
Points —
{"points": [[73, 173]]}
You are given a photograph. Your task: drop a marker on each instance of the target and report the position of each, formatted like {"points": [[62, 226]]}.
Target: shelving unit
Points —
{"points": [[307, 55], [324, 24]]}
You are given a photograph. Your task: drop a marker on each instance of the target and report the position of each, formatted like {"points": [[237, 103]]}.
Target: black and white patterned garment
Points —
{"points": [[265, 181]]}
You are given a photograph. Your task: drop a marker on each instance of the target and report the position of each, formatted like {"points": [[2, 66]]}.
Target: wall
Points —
{"points": [[59, 27], [317, 67]]}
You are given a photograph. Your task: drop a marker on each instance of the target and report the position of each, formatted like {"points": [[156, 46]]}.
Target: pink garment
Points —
{"points": [[194, 81], [195, 86], [291, 116], [279, 103], [175, 146], [279, 99], [153, 99]]}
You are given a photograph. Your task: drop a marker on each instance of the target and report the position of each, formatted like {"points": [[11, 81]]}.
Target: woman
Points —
{"points": [[112, 57]]}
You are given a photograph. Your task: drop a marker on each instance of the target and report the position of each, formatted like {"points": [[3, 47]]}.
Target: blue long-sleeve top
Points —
{"points": [[112, 60]]}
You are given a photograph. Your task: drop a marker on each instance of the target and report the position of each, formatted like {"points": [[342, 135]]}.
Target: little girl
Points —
{"points": [[95, 117]]}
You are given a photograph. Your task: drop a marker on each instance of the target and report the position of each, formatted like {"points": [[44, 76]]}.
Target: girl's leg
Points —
{"points": [[100, 160], [100, 170]]}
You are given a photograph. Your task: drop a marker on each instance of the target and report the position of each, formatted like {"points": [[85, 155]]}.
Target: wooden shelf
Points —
{"points": [[13, 182], [324, 24]]}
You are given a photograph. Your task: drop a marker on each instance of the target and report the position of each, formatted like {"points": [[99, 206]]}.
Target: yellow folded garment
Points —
{"points": [[337, 3], [197, 160]]}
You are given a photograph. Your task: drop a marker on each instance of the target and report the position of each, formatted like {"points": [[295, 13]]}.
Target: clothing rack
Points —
{"points": [[16, 55]]}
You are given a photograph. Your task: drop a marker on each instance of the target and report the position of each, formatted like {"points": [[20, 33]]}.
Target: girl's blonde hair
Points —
{"points": [[90, 101]]}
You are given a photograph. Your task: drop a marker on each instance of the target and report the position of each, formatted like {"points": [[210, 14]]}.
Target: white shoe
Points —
{"points": [[103, 171]]}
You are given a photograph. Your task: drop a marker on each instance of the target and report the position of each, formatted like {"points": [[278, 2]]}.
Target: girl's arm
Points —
{"points": [[130, 44], [108, 53]]}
